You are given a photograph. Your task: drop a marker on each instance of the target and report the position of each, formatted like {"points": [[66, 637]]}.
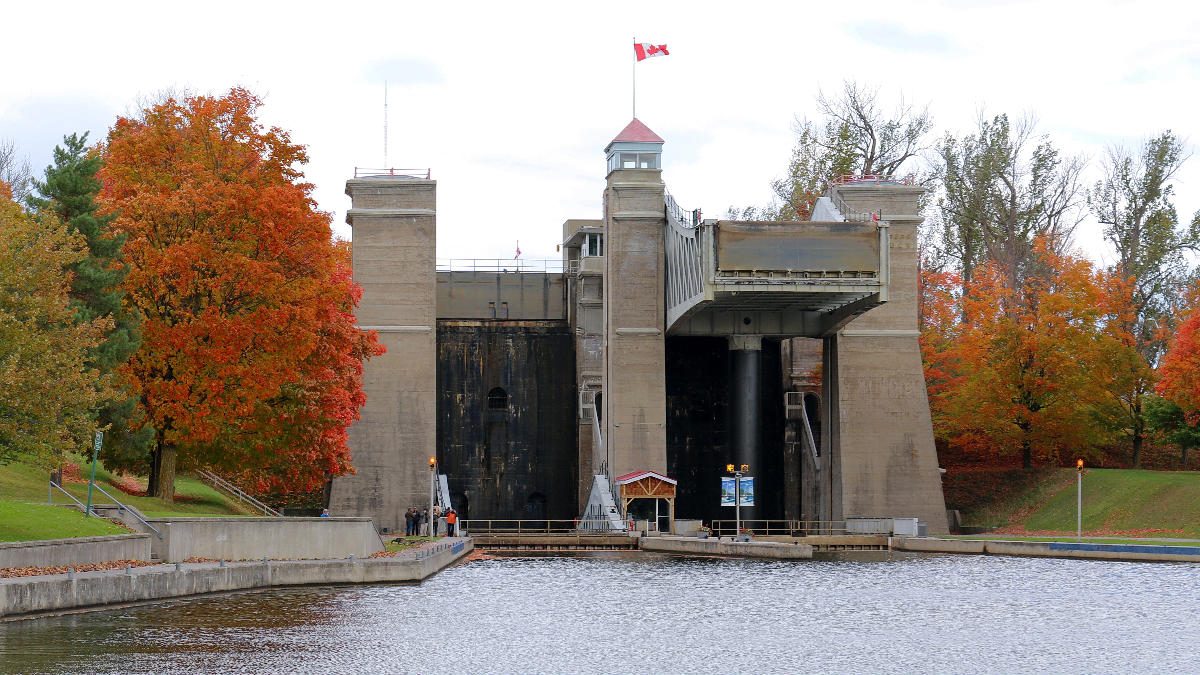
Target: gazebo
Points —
{"points": [[648, 485]]}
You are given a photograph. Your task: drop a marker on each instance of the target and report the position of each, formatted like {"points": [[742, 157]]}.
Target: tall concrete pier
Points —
{"points": [[395, 228], [880, 421]]}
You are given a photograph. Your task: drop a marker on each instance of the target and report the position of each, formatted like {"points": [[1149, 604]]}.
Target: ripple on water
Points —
{"points": [[622, 613]]}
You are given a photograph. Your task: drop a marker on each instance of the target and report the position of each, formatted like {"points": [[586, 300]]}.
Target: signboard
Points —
{"points": [[747, 491], [727, 491]]}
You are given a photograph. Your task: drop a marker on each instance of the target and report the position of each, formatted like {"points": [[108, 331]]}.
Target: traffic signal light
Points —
{"points": [[729, 468], [745, 468], [432, 463], [1079, 465]]}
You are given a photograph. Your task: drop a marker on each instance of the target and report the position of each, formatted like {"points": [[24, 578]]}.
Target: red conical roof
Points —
{"points": [[636, 132]]}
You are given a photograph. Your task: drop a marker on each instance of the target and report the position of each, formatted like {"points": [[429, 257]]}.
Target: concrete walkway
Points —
{"points": [[717, 547], [24, 597], [1048, 549]]}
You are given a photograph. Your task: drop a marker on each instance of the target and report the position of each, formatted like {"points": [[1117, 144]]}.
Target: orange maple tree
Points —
{"points": [[1022, 369], [1179, 371], [250, 359]]}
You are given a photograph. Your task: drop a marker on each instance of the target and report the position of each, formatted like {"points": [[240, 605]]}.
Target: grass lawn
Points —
{"points": [[1117, 503], [1024, 501], [25, 522], [24, 514], [1071, 539], [1126, 502]]}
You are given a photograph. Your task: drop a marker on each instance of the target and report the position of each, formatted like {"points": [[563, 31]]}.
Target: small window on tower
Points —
{"points": [[497, 399], [629, 160]]}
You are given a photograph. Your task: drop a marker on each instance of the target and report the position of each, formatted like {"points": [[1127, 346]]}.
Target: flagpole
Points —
{"points": [[634, 69]]}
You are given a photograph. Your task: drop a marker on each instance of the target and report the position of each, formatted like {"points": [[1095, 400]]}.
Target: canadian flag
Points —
{"points": [[645, 50]]}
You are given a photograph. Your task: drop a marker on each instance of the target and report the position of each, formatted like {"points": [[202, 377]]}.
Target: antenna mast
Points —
{"points": [[385, 121]]}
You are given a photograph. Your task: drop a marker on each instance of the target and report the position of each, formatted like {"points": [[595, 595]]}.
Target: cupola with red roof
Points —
{"points": [[636, 147]]}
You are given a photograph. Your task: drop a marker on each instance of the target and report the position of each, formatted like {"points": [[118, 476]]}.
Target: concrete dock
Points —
{"points": [[26, 597]]}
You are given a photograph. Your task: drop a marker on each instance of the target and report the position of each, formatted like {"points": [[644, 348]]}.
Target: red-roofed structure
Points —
{"points": [[648, 485], [634, 476], [636, 132]]}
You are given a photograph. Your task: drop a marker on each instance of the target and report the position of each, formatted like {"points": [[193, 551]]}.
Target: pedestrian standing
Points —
{"points": [[408, 522], [423, 517], [451, 519], [437, 516]]}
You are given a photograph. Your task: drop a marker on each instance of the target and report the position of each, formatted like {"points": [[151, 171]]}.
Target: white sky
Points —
{"points": [[511, 104]]}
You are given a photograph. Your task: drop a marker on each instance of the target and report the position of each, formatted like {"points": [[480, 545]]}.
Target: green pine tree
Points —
{"points": [[69, 191]]}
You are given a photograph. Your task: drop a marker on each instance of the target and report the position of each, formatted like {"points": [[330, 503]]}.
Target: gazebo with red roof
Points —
{"points": [[648, 485]]}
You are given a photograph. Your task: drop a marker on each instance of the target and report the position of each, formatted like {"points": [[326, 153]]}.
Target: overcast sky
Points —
{"points": [[511, 104]]}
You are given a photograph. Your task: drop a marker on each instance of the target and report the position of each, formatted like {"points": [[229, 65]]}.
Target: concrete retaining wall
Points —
{"points": [[1047, 549], [255, 538], [76, 551], [50, 594], [752, 549]]}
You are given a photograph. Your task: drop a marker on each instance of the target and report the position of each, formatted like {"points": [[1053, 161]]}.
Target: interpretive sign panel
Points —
{"points": [[746, 496]]}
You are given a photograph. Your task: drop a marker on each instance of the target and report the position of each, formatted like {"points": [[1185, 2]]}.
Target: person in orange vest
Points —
{"points": [[451, 519]]}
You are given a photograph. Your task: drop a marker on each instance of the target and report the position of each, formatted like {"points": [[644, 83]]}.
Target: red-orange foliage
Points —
{"points": [[1025, 369], [1179, 371], [250, 359]]}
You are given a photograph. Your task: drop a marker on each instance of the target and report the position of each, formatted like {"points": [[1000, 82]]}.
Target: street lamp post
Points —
{"points": [[737, 497], [432, 483], [1079, 500]]}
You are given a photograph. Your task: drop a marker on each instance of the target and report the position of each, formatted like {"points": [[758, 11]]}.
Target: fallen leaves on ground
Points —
{"points": [[13, 572]]}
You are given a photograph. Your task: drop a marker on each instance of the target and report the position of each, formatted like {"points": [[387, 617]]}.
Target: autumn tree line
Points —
{"points": [[176, 287], [1032, 350]]}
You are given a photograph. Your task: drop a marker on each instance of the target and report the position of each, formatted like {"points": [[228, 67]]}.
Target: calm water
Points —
{"points": [[617, 613]]}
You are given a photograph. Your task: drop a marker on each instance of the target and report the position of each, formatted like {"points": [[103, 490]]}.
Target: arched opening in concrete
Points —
{"points": [[497, 399]]}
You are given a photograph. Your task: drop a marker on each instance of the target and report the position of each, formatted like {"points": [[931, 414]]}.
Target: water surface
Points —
{"points": [[633, 613]]}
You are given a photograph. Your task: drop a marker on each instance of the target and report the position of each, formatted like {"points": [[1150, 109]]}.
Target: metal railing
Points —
{"points": [[537, 527], [229, 489], [363, 172], [550, 265], [879, 178], [786, 528], [848, 213], [121, 508]]}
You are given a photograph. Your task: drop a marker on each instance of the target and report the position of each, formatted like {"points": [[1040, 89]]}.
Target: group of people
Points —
{"points": [[414, 516]]}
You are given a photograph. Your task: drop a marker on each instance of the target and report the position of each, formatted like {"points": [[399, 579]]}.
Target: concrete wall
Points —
{"points": [[77, 551], [255, 538], [50, 594], [394, 221], [519, 460], [501, 295], [710, 546], [885, 464], [634, 317]]}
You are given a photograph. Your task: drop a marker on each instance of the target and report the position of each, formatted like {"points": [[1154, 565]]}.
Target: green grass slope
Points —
{"points": [[1116, 502], [1124, 502], [25, 515], [25, 522]]}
